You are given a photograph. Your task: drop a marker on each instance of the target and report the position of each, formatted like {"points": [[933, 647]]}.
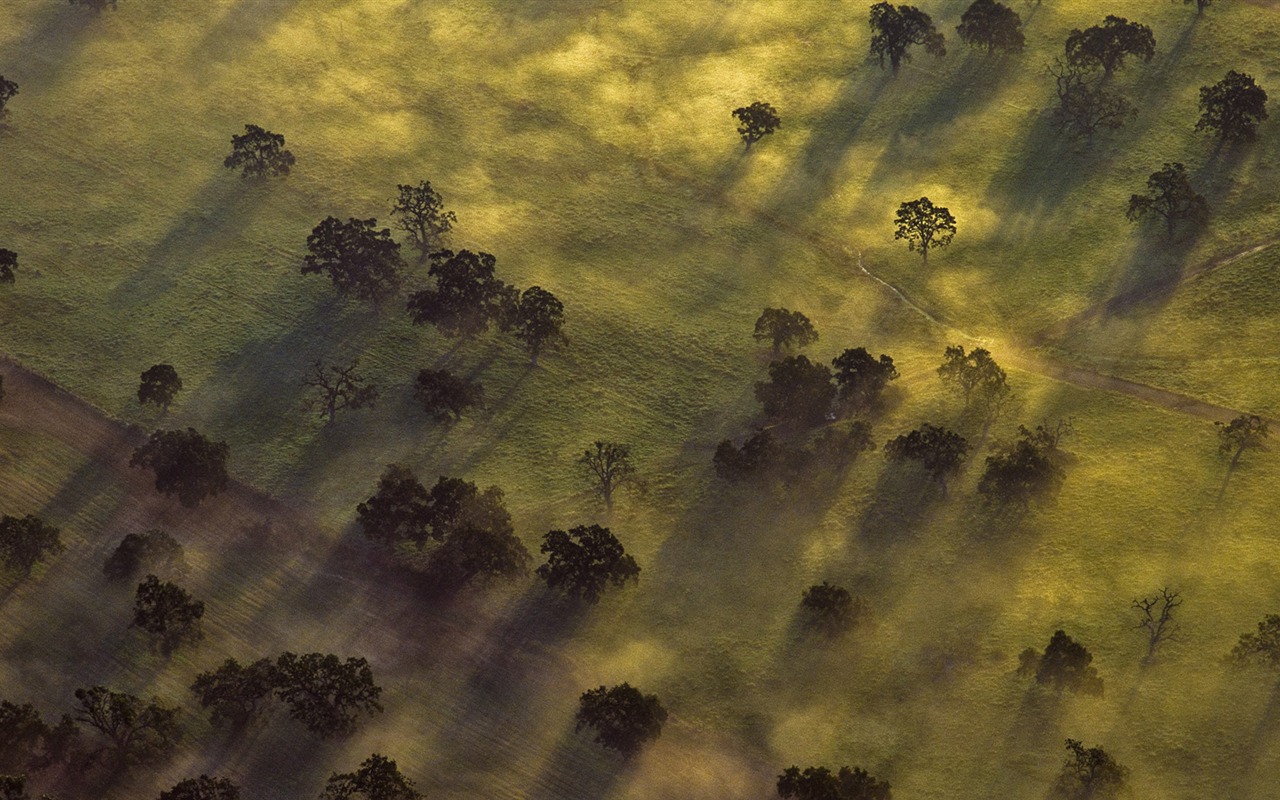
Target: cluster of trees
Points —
{"points": [[820, 783]]}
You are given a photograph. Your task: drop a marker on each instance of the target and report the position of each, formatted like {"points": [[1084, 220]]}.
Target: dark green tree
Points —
{"points": [[28, 743], [622, 717], [482, 544], [783, 328], [361, 259], [378, 778], [8, 90], [1233, 107], [818, 783], [1029, 468], [232, 693], [185, 463], [993, 25], [583, 561], [760, 457], [609, 468], [403, 510], [976, 377], [1090, 774], [1064, 664], [924, 226], [325, 693], [467, 298], [940, 452], [1262, 647], [831, 609], [861, 378], [756, 121], [896, 28], [258, 153], [203, 788], [338, 388], [446, 396], [419, 212], [8, 265], [1108, 44], [153, 551], [798, 390], [134, 729], [26, 541], [167, 611], [1169, 195], [1245, 432], [538, 322], [159, 385]]}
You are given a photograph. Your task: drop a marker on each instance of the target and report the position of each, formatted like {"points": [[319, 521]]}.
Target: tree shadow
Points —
{"points": [[578, 769], [244, 26]]}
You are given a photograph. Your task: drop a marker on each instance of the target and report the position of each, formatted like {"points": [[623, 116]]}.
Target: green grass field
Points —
{"points": [[588, 145]]}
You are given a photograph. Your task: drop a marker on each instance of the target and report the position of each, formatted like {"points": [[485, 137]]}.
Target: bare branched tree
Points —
{"points": [[609, 468], [338, 388], [1157, 619]]}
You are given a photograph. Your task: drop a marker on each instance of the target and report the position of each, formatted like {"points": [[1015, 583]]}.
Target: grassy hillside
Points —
{"points": [[589, 147]]}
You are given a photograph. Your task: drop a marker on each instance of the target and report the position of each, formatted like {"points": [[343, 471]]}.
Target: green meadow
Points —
{"points": [[589, 147]]}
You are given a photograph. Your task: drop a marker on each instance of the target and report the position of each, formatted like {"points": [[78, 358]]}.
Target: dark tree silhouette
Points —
{"points": [[467, 298], [1085, 103], [185, 463], [378, 778], [482, 544], [203, 788], [159, 385], [756, 121], [154, 551], [134, 729], [609, 468], [896, 28], [258, 153], [976, 377], [760, 457], [1233, 107], [8, 266], [446, 396], [338, 388], [1108, 44], [1169, 195], [837, 447], [232, 692], [419, 212], [538, 322], [14, 787], [361, 259], [622, 717], [167, 611], [1065, 664], [924, 226], [1089, 774], [28, 743], [939, 451], [1156, 619], [993, 25], [1262, 647], [324, 693], [8, 90], [400, 510], [798, 390], [783, 328], [818, 783], [1245, 432], [831, 609], [861, 378], [26, 541], [583, 561], [1027, 468], [97, 5]]}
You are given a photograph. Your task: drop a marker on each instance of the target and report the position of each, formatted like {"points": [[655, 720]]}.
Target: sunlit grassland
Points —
{"points": [[589, 147]]}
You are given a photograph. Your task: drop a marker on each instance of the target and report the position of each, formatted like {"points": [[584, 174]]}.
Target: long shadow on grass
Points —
{"points": [[247, 24], [578, 769], [52, 41]]}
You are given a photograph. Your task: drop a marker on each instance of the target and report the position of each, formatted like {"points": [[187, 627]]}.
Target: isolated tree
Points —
{"points": [[26, 541], [797, 390], [583, 561], [756, 121], [467, 298], [203, 788], [783, 328], [28, 743], [185, 463], [1155, 618], [760, 456], [538, 322], [96, 5], [1089, 774], [1085, 102], [1233, 107], [1245, 432], [338, 388], [159, 385], [1064, 664], [258, 153], [8, 90], [325, 693], [830, 608], [1108, 44], [167, 611], [974, 376], [154, 551], [361, 259], [993, 25], [135, 730], [939, 451], [924, 226], [232, 693], [1029, 468], [818, 783], [419, 212], [378, 778], [446, 396], [622, 717], [861, 378], [896, 28], [1262, 647], [1169, 195], [8, 265], [609, 468]]}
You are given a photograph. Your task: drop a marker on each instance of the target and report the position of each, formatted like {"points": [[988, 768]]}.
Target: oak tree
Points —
{"points": [[466, 298], [154, 551], [26, 541], [446, 396], [258, 152], [861, 378], [538, 322], [1064, 664], [158, 385], [377, 778], [134, 729], [1108, 44], [28, 743], [168, 612], [583, 561], [1156, 619], [783, 328], [1233, 107], [993, 25], [337, 388], [1170, 196], [8, 90], [361, 259], [622, 717], [939, 451], [759, 457], [819, 783], [1029, 468], [1245, 432], [1086, 104], [798, 390], [831, 609], [202, 788], [609, 468], [976, 377], [325, 693], [419, 212], [1090, 773], [8, 265], [894, 29], [185, 463], [756, 121], [1262, 647], [924, 226], [232, 692]]}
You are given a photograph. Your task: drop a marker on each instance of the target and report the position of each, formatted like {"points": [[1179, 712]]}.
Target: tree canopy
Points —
{"points": [[135, 730], [446, 396], [338, 387], [861, 378], [784, 329], [232, 692], [756, 121], [798, 390], [361, 259], [378, 778], [1233, 107], [622, 717], [609, 468], [819, 783], [154, 551], [1108, 44], [467, 298], [1064, 665], [8, 266], [894, 29], [939, 451], [538, 322], [8, 91], [1029, 468], [26, 541], [203, 788], [1262, 647], [185, 463], [1170, 196], [924, 226], [831, 609], [325, 693], [1086, 103], [976, 377], [158, 385], [257, 152], [420, 213], [28, 743], [1090, 773], [168, 612], [993, 25], [583, 561]]}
